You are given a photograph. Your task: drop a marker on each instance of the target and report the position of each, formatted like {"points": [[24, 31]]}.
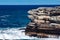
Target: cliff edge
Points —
{"points": [[45, 22]]}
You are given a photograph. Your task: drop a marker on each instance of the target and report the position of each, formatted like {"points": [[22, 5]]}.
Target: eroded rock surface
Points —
{"points": [[45, 22]]}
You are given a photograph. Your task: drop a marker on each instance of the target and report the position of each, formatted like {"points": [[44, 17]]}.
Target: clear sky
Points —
{"points": [[29, 2]]}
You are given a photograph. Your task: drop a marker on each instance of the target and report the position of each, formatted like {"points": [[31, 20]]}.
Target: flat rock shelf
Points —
{"points": [[45, 22]]}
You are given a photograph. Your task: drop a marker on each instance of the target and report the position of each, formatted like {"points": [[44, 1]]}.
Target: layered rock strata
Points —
{"points": [[45, 22]]}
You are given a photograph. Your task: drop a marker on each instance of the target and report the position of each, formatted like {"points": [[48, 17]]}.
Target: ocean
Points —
{"points": [[16, 15], [13, 18]]}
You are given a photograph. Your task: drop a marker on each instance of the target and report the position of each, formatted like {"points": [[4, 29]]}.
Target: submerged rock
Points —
{"points": [[45, 22]]}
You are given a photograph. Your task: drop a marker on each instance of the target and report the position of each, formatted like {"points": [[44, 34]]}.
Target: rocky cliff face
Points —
{"points": [[45, 22]]}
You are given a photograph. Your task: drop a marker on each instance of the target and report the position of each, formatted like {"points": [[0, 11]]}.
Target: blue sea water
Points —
{"points": [[16, 15]]}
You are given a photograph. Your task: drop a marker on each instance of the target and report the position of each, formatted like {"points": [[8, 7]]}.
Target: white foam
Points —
{"points": [[14, 33]]}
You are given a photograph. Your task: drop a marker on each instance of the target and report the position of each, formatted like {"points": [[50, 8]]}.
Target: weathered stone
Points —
{"points": [[45, 22]]}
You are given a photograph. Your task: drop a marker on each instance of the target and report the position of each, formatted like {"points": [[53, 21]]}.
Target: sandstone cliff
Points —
{"points": [[45, 22]]}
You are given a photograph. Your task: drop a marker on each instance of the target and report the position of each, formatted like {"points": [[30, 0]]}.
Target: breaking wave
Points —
{"points": [[14, 33]]}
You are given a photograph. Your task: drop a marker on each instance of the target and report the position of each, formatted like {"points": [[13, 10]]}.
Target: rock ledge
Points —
{"points": [[45, 22]]}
